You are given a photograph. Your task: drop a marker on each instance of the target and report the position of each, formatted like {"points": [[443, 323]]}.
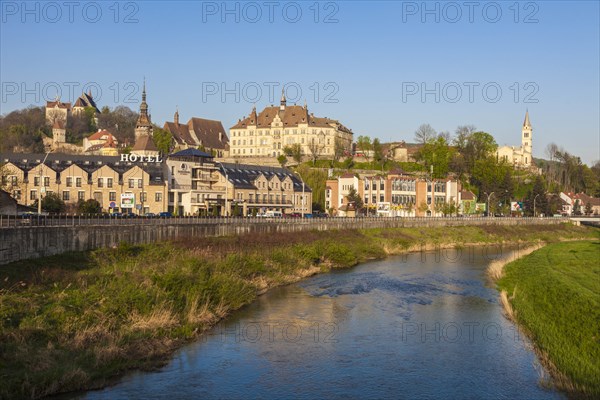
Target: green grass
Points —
{"points": [[557, 299], [75, 321]]}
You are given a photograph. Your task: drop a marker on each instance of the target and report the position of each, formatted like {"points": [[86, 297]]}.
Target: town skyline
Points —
{"points": [[389, 99]]}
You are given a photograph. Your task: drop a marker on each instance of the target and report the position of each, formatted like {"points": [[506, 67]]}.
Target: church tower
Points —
{"points": [[283, 101], [143, 126], [527, 140]]}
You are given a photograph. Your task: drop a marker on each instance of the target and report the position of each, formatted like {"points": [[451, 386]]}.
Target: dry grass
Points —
{"points": [[161, 317]]}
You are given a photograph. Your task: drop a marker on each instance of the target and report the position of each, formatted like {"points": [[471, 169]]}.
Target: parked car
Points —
{"points": [[165, 214], [150, 215]]}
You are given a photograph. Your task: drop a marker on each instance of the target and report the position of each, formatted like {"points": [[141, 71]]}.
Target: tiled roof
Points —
{"points": [[100, 135], [52, 104], [243, 175], [199, 132], [144, 143], [191, 153], [467, 195], [291, 116], [86, 100]]}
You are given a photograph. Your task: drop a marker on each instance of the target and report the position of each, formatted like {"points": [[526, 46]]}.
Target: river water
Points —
{"points": [[423, 325]]}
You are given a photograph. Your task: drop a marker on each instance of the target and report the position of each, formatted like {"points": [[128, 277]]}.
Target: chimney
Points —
{"points": [[176, 118]]}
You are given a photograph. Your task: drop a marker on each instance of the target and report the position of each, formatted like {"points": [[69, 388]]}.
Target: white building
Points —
{"points": [[520, 156]]}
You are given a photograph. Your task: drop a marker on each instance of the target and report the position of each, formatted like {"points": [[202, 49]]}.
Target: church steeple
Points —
{"points": [[527, 140], [143, 125], [526, 123], [283, 100]]}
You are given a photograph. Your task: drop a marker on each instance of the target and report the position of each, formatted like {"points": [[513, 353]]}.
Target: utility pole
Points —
{"points": [[42, 187]]}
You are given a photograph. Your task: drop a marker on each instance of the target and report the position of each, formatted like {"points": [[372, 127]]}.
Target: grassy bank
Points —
{"points": [[555, 296], [76, 321]]}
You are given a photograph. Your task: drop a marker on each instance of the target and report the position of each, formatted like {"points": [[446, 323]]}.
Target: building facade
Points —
{"points": [[109, 180], [519, 156], [268, 133], [199, 133], [394, 194]]}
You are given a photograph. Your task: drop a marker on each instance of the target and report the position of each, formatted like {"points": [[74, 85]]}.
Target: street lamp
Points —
{"points": [[301, 180], [488, 201], [41, 185], [226, 188], [534, 199]]}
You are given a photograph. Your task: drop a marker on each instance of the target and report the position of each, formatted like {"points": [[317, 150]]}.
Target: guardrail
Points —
{"points": [[100, 220]]}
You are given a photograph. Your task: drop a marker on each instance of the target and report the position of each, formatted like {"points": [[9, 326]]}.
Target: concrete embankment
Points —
{"points": [[22, 242]]}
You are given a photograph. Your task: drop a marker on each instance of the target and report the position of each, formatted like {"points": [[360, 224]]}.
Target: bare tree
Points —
{"points": [[424, 134], [316, 146], [462, 135], [339, 149]]}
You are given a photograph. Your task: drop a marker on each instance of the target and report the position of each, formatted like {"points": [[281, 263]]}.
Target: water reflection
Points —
{"points": [[416, 326]]}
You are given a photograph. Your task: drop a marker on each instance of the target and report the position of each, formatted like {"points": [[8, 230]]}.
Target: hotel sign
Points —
{"points": [[140, 158], [127, 200]]}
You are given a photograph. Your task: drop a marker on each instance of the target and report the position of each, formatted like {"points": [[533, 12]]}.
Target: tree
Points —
{"points": [[536, 198], [577, 207], [162, 139], [282, 159], [588, 208], [462, 135], [316, 146], [423, 207], [424, 134], [435, 153], [378, 152], [294, 151], [339, 149], [478, 145], [5, 172], [90, 206], [363, 143], [52, 203], [354, 197]]}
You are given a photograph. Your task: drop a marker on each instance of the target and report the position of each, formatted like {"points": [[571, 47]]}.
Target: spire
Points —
{"points": [[283, 101], [526, 122], [176, 116]]}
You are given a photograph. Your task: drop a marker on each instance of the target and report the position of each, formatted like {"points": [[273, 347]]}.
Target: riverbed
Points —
{"points": [[421, 325]]}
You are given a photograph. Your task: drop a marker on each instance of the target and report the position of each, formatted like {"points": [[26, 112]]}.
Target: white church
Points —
{"points": [[519, 156]]}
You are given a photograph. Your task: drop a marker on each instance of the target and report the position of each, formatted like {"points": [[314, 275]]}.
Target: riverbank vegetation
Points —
{"points": [[77, 321], [554, 294]]}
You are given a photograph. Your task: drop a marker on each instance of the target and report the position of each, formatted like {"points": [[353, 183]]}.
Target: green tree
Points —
{"points": [[52, 203], [436, 153], [588, 208], [90, 206], [294, 151], [478, 145], [162, 139], [354, 197], [378, 152], [282, 159]]}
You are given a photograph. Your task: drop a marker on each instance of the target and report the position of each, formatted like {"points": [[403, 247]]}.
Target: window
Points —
{"points": [[144, 196], [69, 181], [158, 196], [381, 198], [112, 196], [109, 182], [131, 183], [17, 195], [46, 181], [36, 181], [65, 195], [81, 195], [78, 182], [140, 183], [33, 195], [100, 182], [381, 185]]}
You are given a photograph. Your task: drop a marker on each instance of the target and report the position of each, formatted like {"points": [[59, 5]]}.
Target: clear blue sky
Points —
{"points": [[373, 58]]}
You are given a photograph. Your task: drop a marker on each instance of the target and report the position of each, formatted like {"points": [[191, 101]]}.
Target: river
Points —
{"points": [[423, 325]]}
